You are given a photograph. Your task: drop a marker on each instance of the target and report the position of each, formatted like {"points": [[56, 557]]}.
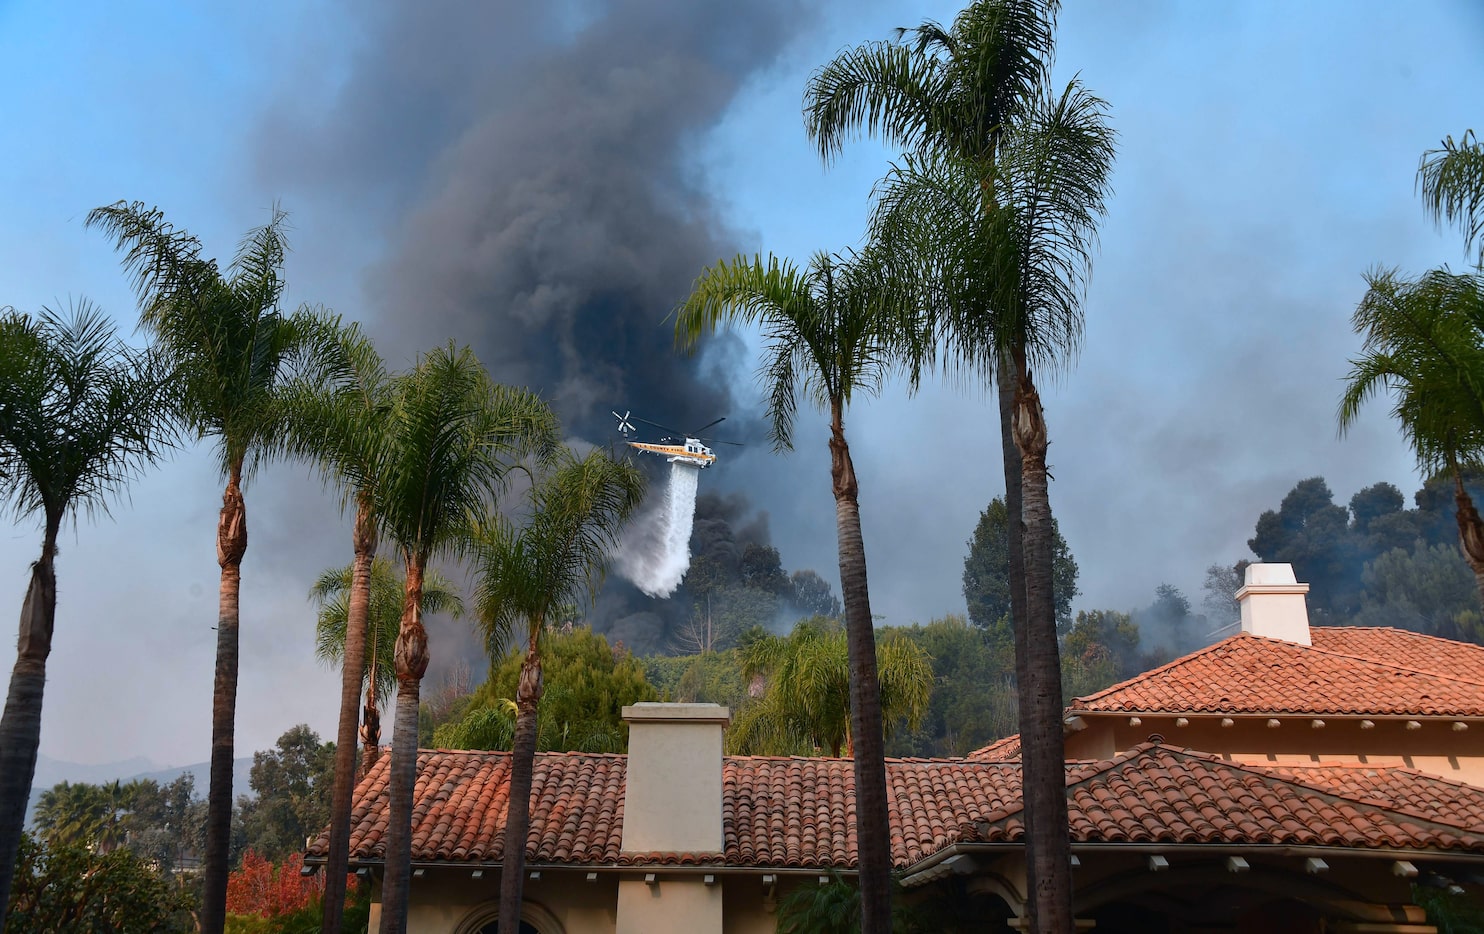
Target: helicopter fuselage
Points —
{"points": [[692, 452]]}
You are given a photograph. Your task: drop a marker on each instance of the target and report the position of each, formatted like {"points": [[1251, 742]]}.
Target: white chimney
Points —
{"points": [[672, 804], [672, 799], [1273, 604]]}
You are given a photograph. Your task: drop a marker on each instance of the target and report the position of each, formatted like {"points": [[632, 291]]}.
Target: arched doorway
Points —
{"points": [[493, 927], [534, 919]]}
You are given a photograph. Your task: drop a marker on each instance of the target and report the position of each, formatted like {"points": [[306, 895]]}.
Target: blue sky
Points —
{"points": [[1267, 155]]}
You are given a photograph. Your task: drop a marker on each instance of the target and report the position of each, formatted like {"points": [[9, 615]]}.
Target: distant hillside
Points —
{"points": [[50, 772]]}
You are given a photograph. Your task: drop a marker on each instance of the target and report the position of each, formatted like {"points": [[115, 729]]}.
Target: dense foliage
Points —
{"points": [[71, 888], [987, 570], [264, 898], [588, 683], [292, 784], [1377, 562], [163, 825]]}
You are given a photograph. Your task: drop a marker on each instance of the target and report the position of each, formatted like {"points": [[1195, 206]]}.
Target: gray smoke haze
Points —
{"points": [[532, 164]]}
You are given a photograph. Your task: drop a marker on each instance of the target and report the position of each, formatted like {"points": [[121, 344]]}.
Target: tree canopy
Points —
{"points": [[987, 570], [588, 683]]}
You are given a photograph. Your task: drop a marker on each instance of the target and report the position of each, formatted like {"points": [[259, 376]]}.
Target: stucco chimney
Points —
{"points": [[672, 799], [1273, 603], [672, 804]]}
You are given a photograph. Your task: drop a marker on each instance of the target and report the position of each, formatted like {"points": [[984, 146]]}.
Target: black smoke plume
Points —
{"points": [[533, 166]]}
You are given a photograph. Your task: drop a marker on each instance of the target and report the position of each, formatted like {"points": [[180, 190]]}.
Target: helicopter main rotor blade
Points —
{"points": [[656, 425], [708, 425]]}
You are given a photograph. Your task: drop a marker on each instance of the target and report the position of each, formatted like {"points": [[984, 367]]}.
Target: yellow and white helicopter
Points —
{"points": [[676, 447]]}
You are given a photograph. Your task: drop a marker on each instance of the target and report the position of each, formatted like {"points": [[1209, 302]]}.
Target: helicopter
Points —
{"points": [[676, 447]]}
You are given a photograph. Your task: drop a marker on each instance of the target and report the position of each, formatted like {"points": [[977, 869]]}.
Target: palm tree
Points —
{"points": [[978, 96], [806, 705], [453, 436], [831, 330], [90, 816], [527, 574], [231, 350], [79, 415], [1452, 183], [1424, 341], [334, 594], [337, 418]]}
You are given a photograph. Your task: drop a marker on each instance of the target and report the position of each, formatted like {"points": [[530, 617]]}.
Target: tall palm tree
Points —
{"points": [[84, 815], [978, 94], [1424, 342], [1451, 179], [334, 594], [79, 415], [453, 437], [231, 350], [527, 573], [831, 331], [337, 417], [807, 702]]}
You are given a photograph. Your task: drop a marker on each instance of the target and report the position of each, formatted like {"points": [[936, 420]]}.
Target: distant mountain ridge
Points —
{"points": [[51, 772]]}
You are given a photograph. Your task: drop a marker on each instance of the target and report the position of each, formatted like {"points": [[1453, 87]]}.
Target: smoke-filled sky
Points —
{"points": [[544, 181]]}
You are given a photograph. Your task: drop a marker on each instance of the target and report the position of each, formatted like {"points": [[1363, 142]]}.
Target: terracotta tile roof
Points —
{"points": [[1253, 675], [1161, 794], [799, 812], [1001, 750], [459, 805], [1407, 649], [1418, 793]]}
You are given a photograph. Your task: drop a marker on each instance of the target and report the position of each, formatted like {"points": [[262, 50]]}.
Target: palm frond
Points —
{"points": [[80, 412], [224, 338], [946, 90], [1451, 179], [161, 259], [561, 550], [830, 330], [331, 593], [879, 87], [453, 436], [1424, 343]]}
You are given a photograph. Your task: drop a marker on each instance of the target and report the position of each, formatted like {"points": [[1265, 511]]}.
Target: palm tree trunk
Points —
{"points": [[371, 723], [371, 714], [353, 668], [412, 664], [231, 545], [20, 727], [1041, 743], [1470, 530], [872, 830], [518, 806], [1005, 391]]}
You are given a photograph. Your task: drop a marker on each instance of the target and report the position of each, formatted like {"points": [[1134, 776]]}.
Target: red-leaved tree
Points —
{"points": [[263, 889]]}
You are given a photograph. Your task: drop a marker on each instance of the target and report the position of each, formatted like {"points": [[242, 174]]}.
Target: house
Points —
{"points": [[1281, 693], [1252, 831]]}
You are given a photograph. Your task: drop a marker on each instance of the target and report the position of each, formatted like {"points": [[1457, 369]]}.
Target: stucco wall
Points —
{"points": [[450, 901], [673, 905], [1435, 747]]}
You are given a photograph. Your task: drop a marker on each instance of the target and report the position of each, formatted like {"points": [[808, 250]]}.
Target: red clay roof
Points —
{"points": [[1161, 794], [1349, 670], [1407, 649], [1001, 750], [1418, 793], [799, 813]]}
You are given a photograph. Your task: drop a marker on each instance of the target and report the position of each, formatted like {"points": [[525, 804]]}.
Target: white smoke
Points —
{"points": [[656, 553]]}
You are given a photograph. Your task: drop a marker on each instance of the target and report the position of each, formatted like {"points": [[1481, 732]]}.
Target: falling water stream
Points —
{"points": [[658, 568]]}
